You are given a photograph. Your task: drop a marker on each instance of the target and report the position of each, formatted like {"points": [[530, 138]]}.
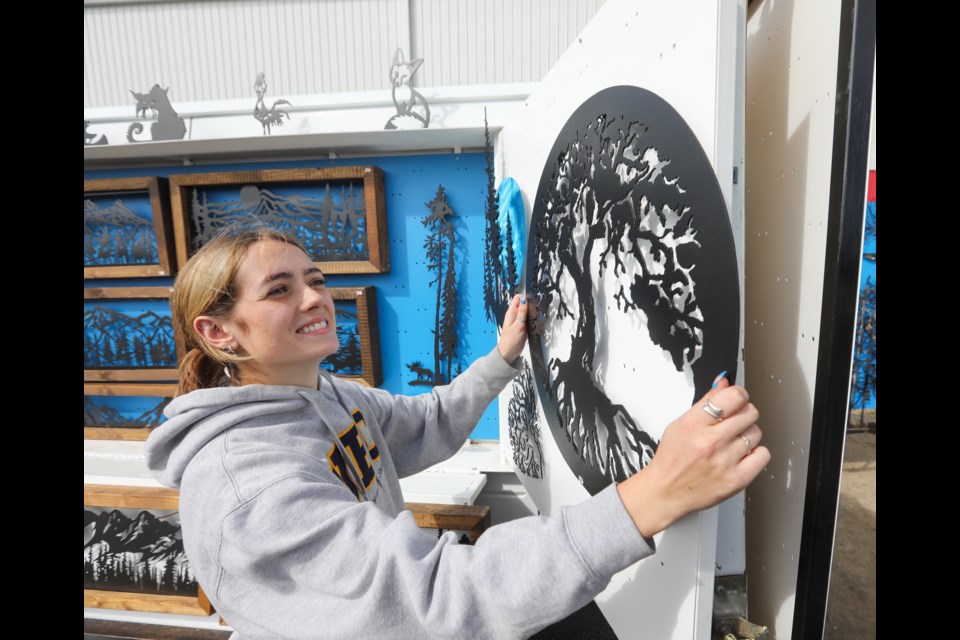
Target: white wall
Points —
{"points": [[791, 80], [213, 50], [493, 41]]}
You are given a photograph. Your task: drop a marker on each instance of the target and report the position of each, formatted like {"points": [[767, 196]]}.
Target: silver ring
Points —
{"points": [[521, 318], [749, 444], [713, 410]]}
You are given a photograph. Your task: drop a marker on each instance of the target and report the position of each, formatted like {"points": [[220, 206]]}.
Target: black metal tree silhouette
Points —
{"points": [[630, 201], [501, 276], [441, 260], [494, 279]]}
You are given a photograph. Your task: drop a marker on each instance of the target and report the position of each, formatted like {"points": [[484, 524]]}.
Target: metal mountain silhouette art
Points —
{"points": [[94, 415], [104, 415], [347, 360], [331, 227], [117, 215], [115, 235], [144, 553], [112, 339]]}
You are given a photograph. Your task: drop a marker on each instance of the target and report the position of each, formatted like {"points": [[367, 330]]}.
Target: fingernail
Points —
{"points": [[717, 380], [523, 298]]}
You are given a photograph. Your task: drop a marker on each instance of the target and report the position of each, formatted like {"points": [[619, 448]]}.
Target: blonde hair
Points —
{"points": [[206, 286]]}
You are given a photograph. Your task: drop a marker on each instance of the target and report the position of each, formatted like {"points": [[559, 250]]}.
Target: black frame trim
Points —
{"points": [[855, 73]]}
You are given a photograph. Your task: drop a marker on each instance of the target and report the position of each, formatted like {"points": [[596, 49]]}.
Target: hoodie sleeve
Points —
{"points": [[423, 430], [304, 560]]}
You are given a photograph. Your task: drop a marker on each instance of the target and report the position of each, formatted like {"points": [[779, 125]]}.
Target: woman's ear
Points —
{"points": [[212, 332]]}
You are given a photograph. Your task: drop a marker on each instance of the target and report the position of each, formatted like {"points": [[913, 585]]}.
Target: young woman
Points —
{"points": [[290, 501]]}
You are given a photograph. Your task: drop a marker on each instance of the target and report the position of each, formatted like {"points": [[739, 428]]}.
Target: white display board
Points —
{"points": [[687, 55], [792, 70]]}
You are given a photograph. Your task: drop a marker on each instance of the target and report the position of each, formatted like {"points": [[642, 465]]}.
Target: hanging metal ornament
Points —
{"points": [[168, 125], [407, 100], [267, 117]]}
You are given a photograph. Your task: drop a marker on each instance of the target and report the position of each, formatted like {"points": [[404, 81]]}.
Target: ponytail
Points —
{"points": [[199, 371]]}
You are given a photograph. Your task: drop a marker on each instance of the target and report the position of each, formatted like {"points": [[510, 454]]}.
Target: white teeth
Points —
{"points": [[316, 326]]}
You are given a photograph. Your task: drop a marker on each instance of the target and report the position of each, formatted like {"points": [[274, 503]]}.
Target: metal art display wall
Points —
{"points": [[405, 299]]}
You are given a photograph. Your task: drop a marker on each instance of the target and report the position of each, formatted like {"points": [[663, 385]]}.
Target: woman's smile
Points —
{"points": [[315, 327]]}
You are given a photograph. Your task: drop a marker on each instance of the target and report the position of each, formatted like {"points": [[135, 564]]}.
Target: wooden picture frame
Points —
{"points": [[96, 417], [304, 202], [138, 247], [154, 342], [363, 335], [144, 499]]}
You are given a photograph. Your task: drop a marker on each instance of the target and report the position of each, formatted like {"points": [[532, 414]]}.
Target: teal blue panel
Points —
{"points": [[406, 302]]}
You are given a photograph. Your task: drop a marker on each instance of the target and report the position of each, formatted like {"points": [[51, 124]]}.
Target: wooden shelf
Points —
{"points": [[473, 519], [129, 497], [128, 601]]}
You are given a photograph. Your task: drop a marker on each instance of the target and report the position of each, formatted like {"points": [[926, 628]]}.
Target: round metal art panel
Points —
{"points": [[632, 260]]}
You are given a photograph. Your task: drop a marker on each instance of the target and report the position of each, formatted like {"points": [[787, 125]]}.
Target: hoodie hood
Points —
{"points": [[194, 419]]}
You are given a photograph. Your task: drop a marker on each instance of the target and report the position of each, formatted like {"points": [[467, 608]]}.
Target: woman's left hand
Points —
{"points": [[513, 334]]}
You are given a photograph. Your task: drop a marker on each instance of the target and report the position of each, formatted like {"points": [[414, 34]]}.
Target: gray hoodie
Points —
{"points": [[294, 522]]}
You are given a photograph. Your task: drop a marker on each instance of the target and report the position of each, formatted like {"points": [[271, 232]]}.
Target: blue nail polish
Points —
{"points": [[717, 380], [523, 299]]}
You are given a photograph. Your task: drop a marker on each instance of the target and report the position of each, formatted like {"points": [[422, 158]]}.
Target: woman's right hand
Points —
{"points": [[513, 333], [700, 461]]}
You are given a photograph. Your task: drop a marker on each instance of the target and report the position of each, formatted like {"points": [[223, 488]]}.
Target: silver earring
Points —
{"points": [[229, 350]]}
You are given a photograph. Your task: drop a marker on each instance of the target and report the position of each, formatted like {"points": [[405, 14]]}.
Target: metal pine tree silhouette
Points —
{"points": [[441, 261], [494, 279]]}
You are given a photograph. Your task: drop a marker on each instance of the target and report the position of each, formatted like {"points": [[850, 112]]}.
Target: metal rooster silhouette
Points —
{"points": [[271, 116]]}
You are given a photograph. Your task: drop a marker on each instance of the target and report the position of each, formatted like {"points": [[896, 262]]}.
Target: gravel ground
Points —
{"points": [[852, 603]]}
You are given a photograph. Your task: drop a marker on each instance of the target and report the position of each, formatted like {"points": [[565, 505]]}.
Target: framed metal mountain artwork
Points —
{"points": [[128, 335], [338, 214], [133, 556], [358, 357], [124, 411], [126, 228]]}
